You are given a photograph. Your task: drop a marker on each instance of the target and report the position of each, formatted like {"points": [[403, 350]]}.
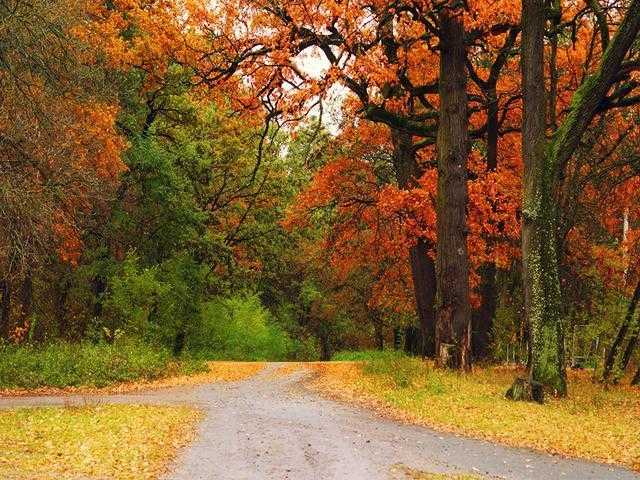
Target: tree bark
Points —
{"points": [[453, 312], [377, 322], [26, 299], [631, 346], [539, 257], [397, 338], [5, 307], [482, 318], [544, 164], [379, 335], [614, 350], [423, 269], [588, 99], [99, 286], [62, 292]]}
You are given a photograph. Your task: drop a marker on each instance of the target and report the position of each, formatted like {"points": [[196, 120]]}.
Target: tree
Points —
{"points": [[382, 65], [545, 163], [59, 150], [612, 355], [453, 325]]}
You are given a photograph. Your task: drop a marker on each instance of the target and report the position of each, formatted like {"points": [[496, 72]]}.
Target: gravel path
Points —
{"points": [[271, 427]]}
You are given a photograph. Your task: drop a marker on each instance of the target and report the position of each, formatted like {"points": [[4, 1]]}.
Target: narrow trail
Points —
{"points": [[271, 427]]}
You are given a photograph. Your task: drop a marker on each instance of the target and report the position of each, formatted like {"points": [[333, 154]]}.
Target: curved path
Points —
{"points": [[271, 427]]}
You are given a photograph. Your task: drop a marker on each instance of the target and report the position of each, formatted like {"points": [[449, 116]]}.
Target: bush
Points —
{"points": [[238, 328], [365, 355], [71, 365], [155, 303], [394, 365]]}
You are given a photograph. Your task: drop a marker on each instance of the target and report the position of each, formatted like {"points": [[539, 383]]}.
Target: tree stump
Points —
{"points": [[526, 391]]}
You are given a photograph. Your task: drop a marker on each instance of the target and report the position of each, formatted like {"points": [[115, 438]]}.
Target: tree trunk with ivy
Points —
{"points": [[541, 280], [544, 164], [453, 312]]}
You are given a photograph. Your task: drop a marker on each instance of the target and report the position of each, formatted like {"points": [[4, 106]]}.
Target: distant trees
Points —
{"points": [[59, 151]]}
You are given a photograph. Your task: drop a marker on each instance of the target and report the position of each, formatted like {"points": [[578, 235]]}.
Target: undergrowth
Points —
{"points": [[85, 364]]}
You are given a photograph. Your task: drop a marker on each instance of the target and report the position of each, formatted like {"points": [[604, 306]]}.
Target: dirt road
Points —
{"points": [[272, 427]]}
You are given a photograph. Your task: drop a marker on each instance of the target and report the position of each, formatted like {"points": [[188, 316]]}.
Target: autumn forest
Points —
{"points": [[430, 206]]}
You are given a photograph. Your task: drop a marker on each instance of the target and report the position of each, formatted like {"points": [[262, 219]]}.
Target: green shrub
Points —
{"points": [[402, 370], [238, 328], [154, 303], [71, 365], [365, 355]]}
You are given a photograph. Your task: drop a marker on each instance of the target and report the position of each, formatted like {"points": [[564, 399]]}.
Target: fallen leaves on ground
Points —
{"points": [[412, 474], [123, 442], [218, 371], [593, 422]]}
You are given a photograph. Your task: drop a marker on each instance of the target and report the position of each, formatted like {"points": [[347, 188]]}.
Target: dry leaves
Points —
{"points": [[219, 371], [593, 422], [106, 442]]}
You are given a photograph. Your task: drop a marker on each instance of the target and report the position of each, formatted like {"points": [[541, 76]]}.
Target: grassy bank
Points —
{"points": [[123, 441], [593, 422], [62, 365]]}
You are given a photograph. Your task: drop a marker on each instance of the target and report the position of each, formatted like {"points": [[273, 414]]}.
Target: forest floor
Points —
{"points": [[276, 425]]}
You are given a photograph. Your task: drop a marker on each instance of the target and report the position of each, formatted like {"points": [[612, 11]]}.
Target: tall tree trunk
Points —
{"points": [[378, 330], [544, 165], [99, 287], [5, 308], [636, 378], [540, 266], [62, 292], [614, 350], [482, 318], [26, 299], [453, 313], [423, 268], [397, 338], [325, 346], [377, 322], [631, 346]]}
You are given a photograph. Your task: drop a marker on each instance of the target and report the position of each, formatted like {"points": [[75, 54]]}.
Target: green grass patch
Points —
{"points": [[367, 355], [403, 371], [72, 365]]}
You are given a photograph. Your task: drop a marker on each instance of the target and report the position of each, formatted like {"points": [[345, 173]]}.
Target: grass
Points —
{"points": [[123, 441], [62, 365], [215, 371], [594, 422]]}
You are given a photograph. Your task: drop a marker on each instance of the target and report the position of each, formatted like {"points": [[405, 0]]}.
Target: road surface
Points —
{"points": [[271, 427]]}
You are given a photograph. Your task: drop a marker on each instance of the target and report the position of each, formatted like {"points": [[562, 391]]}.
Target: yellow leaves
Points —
{"points": [[412, 474], [217, 371], [123, 441], [591, 423]]}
